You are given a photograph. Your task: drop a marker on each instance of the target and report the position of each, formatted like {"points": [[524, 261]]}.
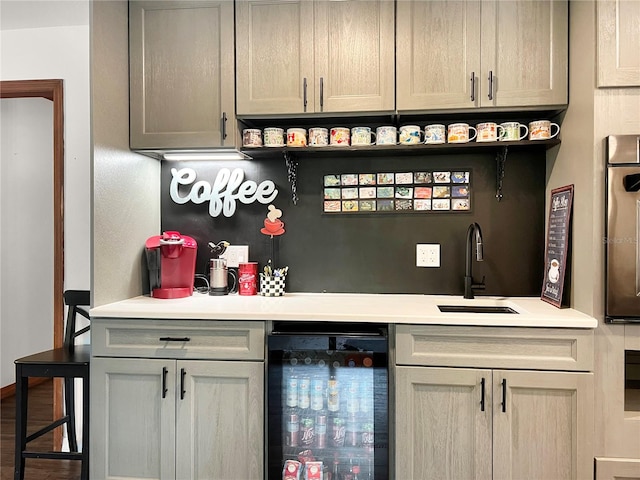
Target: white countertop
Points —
{"points": [[346, 307]]}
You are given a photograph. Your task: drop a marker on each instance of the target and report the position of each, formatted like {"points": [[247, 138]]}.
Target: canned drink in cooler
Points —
{"points": [[321, 431], [333, 395], [293, 430], [292, 391], [337, 432], [303, 392], [307, 432], [367, 437], [317, 394]]}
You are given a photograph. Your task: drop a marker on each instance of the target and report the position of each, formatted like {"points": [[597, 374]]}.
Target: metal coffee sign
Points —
{"points": [[228, 188]]}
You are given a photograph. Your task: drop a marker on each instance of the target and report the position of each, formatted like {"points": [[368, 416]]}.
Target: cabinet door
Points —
{"points": [[524, 51], [443, 426], [618, 43], [545, 428], [354, 55], [132, 422], [274, 56], [438, 53], [181, 74], [220, 420]]}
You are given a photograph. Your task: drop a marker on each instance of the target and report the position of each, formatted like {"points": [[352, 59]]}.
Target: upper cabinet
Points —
{"points": [[181, 74], [469, 54], [300, 56], [618, 44]]}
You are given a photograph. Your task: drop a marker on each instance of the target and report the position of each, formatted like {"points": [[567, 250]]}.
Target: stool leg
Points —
{"points": [[84, 475], [70, 411], [22, 398]]}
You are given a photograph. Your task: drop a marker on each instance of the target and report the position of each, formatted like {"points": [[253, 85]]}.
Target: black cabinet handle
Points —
{"points": [[473, 86], [321, 93], [183, 373], [304, 92], [490, 84], [164, 382], [224, 125], [482, 387], [175, 339], [504, 394]]}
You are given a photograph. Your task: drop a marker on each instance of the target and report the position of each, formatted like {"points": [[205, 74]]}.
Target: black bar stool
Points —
{"points": [[69, 362]]}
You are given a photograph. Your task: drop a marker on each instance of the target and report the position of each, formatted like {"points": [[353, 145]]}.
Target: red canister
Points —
{"points": [[247, 278]]}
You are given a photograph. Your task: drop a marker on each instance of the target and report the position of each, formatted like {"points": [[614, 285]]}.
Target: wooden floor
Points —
{"points": [[40, 414]]}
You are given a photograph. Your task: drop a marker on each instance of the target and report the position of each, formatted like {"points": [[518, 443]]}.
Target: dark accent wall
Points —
{"points": [[375, 253]]}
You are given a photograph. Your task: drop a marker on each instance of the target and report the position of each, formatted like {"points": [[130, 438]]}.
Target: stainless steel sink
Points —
{"points": [[476, 309]]}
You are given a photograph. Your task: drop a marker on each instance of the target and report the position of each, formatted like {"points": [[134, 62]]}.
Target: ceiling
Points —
{"points": [[20, 14]]}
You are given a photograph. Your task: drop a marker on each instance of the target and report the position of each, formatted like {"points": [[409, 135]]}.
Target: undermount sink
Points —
{"points": [[476, 309]]}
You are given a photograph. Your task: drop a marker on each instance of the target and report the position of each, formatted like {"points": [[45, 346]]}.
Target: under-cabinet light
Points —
{"points": [[208, 155]]}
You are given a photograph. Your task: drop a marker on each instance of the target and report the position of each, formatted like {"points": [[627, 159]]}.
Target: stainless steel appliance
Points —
{"points": [[622, 235], [328, 401]]}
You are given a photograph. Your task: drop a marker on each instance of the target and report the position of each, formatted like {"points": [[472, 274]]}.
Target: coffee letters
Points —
{"points": [[228, 187]]}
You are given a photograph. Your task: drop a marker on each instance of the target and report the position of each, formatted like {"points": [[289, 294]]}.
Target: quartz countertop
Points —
{"points": [[347, 307]]}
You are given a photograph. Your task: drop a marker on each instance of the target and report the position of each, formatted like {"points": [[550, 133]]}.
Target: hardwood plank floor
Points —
{"points": [[40, 414]]}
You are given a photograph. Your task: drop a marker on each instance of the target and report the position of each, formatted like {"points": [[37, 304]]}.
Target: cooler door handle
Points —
{"points": [[164, 382], [482, 391], [183, 373]]}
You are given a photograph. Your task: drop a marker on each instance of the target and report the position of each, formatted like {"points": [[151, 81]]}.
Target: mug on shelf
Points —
{"points": [[340, 137], [296, 137], [541, 130], [273, 137], [459, 133], [386, 135], [318, 137], [362, 136], [410, 135], [511, 131], [435, 134], [251, 137], [488, 132]]}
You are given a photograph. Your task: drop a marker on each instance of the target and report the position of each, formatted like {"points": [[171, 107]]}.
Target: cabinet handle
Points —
{"points": [[224, 125], [482, 394], [164, 382], [504, 395], [473, 88], [490, 84], [182, 375], [321, 93], [304, 93], [175, 339]]}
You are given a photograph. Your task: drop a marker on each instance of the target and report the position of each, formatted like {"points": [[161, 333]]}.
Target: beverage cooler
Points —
{"points": [[328, 405]]}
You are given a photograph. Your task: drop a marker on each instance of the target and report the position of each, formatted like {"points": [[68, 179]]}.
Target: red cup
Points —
{"points": [[247, 278]]}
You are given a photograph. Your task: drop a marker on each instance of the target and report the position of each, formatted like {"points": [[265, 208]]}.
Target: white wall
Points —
{"points": [[49, 53]]}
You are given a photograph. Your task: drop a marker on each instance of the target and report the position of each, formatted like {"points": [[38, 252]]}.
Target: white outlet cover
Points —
{"points": [[236, 254], [428, 255]]}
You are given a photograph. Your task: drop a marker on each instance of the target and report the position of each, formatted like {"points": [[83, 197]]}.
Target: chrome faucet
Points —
{"points": [[474, 234]]}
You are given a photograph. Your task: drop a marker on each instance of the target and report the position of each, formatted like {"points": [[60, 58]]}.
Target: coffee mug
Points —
{"points": [[511, 131], [273, 137], [410, 135], [296, 137], [340, 136], [251, 137], [386, 135], [488, 132], [434, 134], [362, 136], [318, 137], [459, 133], [541, 130]]}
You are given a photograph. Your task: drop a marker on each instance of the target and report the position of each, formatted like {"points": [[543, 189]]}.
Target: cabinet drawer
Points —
{"points": [[495, 347], [192, 339]]}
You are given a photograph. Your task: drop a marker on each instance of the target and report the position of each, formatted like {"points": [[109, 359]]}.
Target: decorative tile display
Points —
{"points": [[406, 192]]}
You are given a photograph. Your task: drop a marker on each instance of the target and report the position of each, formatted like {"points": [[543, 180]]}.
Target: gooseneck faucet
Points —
{"points": [[474, 235]]}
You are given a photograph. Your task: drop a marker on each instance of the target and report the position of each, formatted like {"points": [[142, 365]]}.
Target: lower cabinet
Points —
{"points": [[171, 418], [489, 423]]}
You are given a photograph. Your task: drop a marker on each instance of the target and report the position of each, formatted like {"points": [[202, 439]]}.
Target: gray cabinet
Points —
{"points": [[470, 54], [299, 56], [180, 399], [490, 421], [181, 74]]}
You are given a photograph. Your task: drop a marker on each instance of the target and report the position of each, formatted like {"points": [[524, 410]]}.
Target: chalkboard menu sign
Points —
{"points": [[557, 243]]}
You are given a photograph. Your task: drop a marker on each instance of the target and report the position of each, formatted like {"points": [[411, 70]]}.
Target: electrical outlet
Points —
{"points": [[428, 255], [236, 254]]}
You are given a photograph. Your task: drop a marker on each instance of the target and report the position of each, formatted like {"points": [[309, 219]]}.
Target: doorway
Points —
{"points": [[51, 90]]}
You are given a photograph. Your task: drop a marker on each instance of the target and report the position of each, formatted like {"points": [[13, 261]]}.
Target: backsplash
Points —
{"points": [[376, 253]]}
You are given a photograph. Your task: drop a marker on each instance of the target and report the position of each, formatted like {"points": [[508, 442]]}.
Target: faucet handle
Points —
{"points": [[479, 286]]}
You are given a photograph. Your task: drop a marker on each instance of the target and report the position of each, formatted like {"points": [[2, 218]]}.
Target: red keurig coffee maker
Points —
{"points": [[171, 259]]}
